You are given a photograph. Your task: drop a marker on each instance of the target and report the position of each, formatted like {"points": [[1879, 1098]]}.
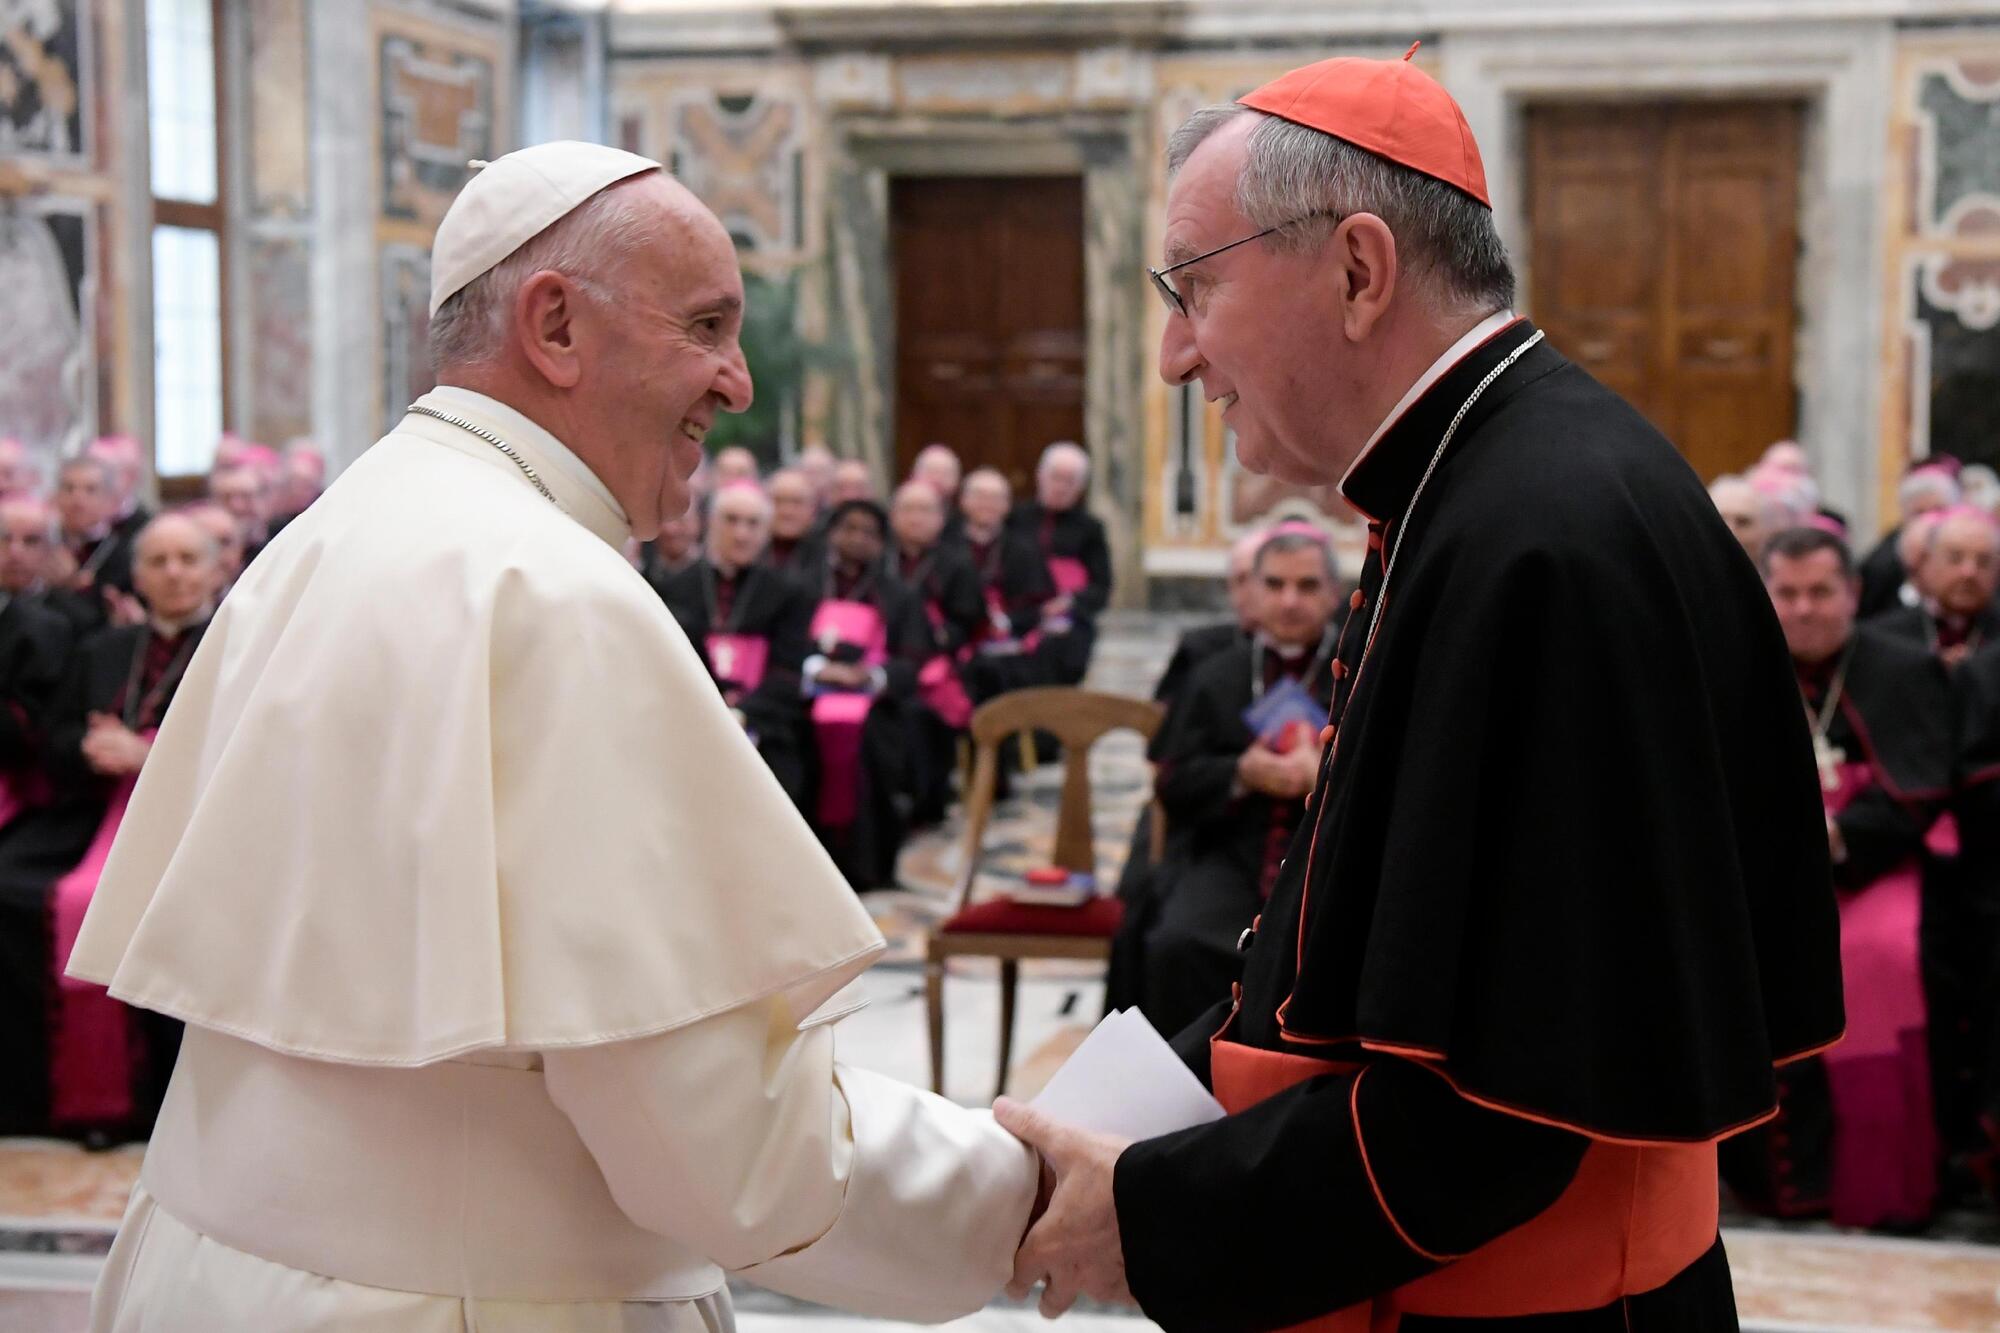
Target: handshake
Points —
{"points": [[1072, 1247], [1124, 1083]]}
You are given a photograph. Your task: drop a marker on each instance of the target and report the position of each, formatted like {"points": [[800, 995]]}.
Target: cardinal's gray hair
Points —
{"points": [[1294, 174]]}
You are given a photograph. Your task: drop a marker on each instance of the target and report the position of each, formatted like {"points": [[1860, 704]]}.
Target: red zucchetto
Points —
{"points": [[1389, 107]]}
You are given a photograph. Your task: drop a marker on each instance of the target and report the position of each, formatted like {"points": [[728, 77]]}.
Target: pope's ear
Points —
{"points": [[545, 312]]}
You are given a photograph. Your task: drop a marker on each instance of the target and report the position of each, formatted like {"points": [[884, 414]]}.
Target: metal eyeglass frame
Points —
{"points": [[1176, 306]]}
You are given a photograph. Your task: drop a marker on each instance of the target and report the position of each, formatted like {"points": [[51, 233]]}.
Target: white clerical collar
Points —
{"points": [[1439, 368], [579, 491], [173, 629]]}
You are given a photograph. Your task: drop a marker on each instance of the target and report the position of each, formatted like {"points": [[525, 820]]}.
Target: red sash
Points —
{"points": [[738, 661], [90, 1080], [838, 716], [1632, 1219]]}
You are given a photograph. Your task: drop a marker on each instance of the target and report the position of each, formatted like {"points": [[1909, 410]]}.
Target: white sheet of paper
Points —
{"points": [[1126, 1081]]}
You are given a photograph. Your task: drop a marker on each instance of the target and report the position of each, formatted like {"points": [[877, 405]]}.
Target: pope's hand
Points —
{"points": [[1074, 1249]]}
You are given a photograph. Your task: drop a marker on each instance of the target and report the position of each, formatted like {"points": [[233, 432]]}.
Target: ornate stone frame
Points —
{"points": [[865, 149], [1840, 71]]}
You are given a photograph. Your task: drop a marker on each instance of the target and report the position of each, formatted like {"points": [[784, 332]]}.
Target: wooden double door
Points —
{"points": [[989, 317], [1664, 251]]}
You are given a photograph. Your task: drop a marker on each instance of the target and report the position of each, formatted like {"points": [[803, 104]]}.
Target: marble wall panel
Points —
{"points": [[1943, 209], [45, 78], [744, 155], [279, 123], [48, 336], [406, 325], [280, 352], [744, 136], [437, 114]]}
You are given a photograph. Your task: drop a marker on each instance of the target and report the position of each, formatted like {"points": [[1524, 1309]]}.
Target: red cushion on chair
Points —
{"points": [[1096, 919]]}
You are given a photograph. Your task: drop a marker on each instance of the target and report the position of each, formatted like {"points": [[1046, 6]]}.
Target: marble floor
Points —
{"points": [[59, 1205]]}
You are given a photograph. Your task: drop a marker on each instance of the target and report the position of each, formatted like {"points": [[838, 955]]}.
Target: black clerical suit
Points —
{"points": [[763, 604], [34, 653], [1882, 575], [1193, 648], [1123, 980], [42, 846], [658, 570], [1935, 632], [1226, 841], [1069, 534], [944, 579], [892, 759], [1976, 803], [1563, 889], [1884, 703], [1954, 961], [800, 557], [103, 563]]}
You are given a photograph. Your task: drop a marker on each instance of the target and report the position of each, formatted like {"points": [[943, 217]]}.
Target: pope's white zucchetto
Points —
{"points": [[512, 199]]}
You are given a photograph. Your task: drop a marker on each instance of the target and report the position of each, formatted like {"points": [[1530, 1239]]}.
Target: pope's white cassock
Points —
{"points": [[510, 973]]}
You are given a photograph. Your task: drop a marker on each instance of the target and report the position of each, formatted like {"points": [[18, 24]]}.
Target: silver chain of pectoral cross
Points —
{"points": [[1825, 756], [1409, 510], [481, 433]]}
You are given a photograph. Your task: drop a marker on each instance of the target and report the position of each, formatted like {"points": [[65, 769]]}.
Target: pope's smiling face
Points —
{"points": [[666, 361]]}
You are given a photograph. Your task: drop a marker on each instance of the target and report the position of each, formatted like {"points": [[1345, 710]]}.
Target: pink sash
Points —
{"points": [[1942, 840], [838, 715], [944, 693], [738, 661], [90, 1081], [1068, 574], [1884, 1138]]}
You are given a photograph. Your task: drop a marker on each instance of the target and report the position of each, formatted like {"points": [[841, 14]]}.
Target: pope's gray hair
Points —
{"points": [[1306, 181], [585, 245]]}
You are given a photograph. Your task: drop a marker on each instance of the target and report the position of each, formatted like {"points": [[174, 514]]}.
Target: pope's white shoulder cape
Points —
{"points": [[446, 775]]}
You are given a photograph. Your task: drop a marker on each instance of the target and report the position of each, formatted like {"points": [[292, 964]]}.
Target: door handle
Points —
{"points": [[947, 370], [1724, 349]]}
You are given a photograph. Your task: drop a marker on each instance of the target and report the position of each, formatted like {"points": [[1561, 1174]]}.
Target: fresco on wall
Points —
{"points": [[406, 327], [437, 115], [743, 154], [1945, 254], [279, 123], [1955, 328], [46, 335], [44, 96], [281, 345], [1959, 163]]}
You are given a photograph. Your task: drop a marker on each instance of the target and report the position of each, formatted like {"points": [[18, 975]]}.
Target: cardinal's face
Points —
{"points": [[1258, 328]]}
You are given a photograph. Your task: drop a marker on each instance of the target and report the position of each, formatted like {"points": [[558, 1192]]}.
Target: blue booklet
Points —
{"points": [[1283, 704]]}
